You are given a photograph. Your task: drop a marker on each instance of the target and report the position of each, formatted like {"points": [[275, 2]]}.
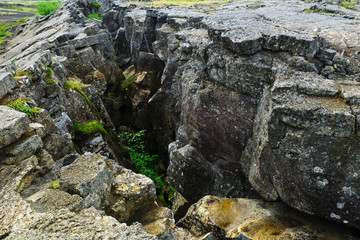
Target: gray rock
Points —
{"points": [[89, 223], [18, 151], [7, 83], [37, 129], [88, 175], [13, 124]]}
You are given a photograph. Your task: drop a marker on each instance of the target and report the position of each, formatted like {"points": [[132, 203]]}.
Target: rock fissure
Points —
{"points": [[241, 102]]}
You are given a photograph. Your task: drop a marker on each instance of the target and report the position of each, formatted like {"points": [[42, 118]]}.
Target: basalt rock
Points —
{"points": [[262, 98]]}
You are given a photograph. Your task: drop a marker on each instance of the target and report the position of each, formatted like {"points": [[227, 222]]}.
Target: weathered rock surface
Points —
{"points": [[263, 97], [222, 218], [12, 125], [250, 99], [131, 192]]}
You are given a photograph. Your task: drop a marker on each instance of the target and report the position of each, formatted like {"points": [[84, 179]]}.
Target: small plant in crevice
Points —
{"points": [[22, 74], [77, 86], [346, 4], [94, 15], [48, 79], [147, 164], [55, 184], [130, 80], [89, 128], [21, 105], [96, 4]]}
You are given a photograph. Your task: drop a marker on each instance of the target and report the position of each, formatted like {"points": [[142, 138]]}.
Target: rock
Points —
{"points": [[13, 124], [45, 160], [89, 223], [37, 128], [159, 222], [53, 200], [18, 151], [131, 192], [254, 219], [88, 177], [7, 83], [64, 124]]}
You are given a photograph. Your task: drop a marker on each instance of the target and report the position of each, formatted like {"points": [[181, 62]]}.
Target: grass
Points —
{"points": [[346, 4], [89, 128], [94, 15], [21, 105], [147, 164], [77, 86], [4, 29], [46, 8]]}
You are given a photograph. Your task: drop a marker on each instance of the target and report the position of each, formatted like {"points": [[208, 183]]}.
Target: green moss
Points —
{"points": [[55, 184], [49, 72], [20, 105], [77, 86], [23, 20], [89, 128], [49, 81], [346, 4], [22, 74]]}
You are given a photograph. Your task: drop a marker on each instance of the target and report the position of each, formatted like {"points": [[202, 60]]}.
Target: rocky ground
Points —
{"points": [[253, 107]]}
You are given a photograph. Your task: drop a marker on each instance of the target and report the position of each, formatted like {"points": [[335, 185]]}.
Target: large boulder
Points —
{"points": [[89, 177]]}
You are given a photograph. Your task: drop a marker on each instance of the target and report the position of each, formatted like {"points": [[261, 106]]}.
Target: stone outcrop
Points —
{"points": [[263, 99], [249, 100]]}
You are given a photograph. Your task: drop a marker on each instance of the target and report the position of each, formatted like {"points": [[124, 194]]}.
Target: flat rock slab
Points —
{"points": [[13, 124]]}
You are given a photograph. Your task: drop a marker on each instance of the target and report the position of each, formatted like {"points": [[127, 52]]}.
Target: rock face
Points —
{"points": [[263, 97], [251, 99]]}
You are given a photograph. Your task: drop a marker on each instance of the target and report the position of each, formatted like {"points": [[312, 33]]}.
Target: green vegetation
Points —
{"points": [[346, 4], [48, 79], [147, 164], [22, 74], [96, 4], [89, 128], [45, 8], [130, 80], [55, 184], [20, 105], [94, 15], [48, 71], [4, 29], [77, 86]]}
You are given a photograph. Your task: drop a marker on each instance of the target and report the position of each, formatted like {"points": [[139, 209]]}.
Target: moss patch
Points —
{"points": [[89, 128], [77, 86], [20, 105]]}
